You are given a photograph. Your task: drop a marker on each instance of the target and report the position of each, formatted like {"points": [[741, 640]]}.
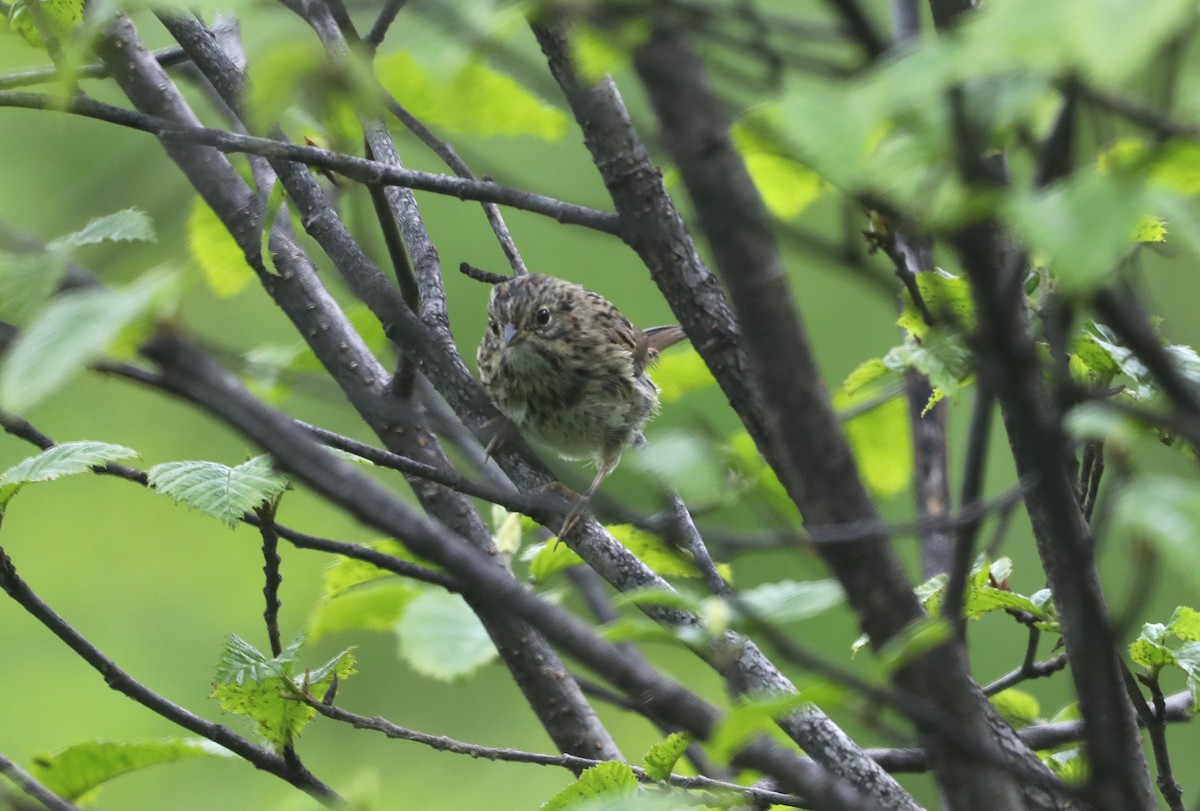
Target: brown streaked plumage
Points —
{"points": [[564, 366]]}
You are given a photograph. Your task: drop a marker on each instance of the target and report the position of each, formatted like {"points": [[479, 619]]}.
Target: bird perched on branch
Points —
{"points": [[567, 369]]}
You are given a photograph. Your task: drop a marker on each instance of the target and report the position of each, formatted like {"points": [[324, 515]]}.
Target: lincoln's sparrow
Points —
{"points": [[564, 366]]}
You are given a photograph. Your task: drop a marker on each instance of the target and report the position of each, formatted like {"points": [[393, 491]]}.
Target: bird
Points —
{"points": [[567, 369]]}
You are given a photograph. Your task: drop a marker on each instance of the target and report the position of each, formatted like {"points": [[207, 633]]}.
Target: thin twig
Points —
{"points": [[1156, 726], [1030, 668], [272, 579], [358, 169], [29, 784], [21, 428], [122, 682], [379, 29], [972, 487], [576, 764], [23, 78]]}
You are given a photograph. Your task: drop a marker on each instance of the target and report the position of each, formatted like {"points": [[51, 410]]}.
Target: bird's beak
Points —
{"points": [[509, 334]]}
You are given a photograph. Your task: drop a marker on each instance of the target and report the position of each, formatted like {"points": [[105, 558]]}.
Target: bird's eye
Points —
{"points": [[493, 326], [542, 317]]}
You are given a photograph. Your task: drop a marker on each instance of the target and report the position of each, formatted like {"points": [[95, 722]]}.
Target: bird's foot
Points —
{"points": [[502, 429]]}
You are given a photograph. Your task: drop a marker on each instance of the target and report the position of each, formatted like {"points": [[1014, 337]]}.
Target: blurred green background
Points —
{"points": [[158, 588]]}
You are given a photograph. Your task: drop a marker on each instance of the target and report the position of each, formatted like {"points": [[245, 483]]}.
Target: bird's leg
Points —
{"points": [[502, 429], [607, 464]]}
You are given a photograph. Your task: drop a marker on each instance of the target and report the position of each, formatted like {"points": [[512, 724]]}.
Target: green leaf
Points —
{"points": [[374, 607], [82, 768], [441, 637], [882, 443], [130, 225], [913, 641], [1185, 623], [948, 298], [686, 463], [611, 779], [73, 330], [216, 252], [357, 595], [476, 101], [662, 757], [1163, 511], [789, 600], [507, 534], [653, 551], [1018, 708], [1097, 357], [224, 492], [680, 371], [27, 281], [869, 373], [61, 16], [680, 599], [748, 719], [1081, 228], [549, 558], [1068, 765], [1151, 655], [66, 459], [266, 690], [944, 358]]}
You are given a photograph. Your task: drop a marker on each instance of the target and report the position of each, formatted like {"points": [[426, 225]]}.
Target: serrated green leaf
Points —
{"points": [[1150, 655], [226, 493], [1017, 707], [27, 281], [217, 253], [441, 637], [663, 756], [66, 459], [680, 371], [83, 767], [70, 332], [1185, 623], [942, 357], [130, 225], [266, 689], [549, 558], [611, 779], [789, 600]]}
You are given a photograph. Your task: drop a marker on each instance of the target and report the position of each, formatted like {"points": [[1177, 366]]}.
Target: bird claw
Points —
{"points": [[503, 429], [572, 518]]}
